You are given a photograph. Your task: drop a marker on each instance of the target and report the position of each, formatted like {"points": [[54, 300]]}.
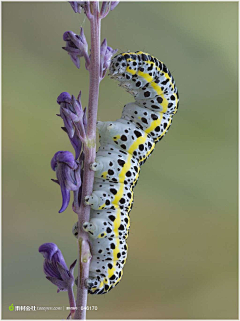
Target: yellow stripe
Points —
{"points": [[138, 141], [133, 72], [146, 76], [154, 124], [101, 207]]}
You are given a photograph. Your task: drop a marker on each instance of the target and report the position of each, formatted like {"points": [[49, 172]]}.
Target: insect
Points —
{"points": [[125, 144]]}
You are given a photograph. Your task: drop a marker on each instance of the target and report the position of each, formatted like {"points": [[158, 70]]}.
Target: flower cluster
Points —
{"points": [[77, 46]]}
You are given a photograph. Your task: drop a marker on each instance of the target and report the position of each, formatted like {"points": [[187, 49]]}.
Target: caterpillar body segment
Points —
{"points": [[108, 195], [109, 255], [112, 223], [128, 137], [153, 123], [116, 167], [125, 144]]}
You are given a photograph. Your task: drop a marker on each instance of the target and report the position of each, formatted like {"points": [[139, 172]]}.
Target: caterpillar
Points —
{"points": [[125, 144]]}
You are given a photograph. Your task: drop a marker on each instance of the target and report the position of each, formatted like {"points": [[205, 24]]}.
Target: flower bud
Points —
{"points": [[71, 112], [106, 54], [76, 46]]}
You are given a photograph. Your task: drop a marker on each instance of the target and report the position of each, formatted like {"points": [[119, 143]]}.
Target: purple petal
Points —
{"points": [[70, 115], [65, 199], [103, 47], [48, 250], [54, 163], [65, 275], [55, 181], [67, 123], [85, 118], [64, 97], [75, 141], [72, 266], [77, 145], [82, 37], [58, 257], [76, 7], [77, 173], [66, 158], [75, 60], [50, 269], [72, 183], [62, 286], [114, 4]]}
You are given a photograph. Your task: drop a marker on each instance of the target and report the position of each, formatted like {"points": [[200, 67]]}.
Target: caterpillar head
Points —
{"points": [[118, 65]]}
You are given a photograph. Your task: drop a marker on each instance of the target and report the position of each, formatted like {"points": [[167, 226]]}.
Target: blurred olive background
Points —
{"points": [[182, 261]]}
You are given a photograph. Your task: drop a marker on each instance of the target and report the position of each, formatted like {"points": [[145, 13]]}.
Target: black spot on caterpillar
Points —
{"points": [[125, 144]]}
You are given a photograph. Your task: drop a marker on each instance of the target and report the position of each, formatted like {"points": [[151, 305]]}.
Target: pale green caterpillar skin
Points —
{"points": [[115, 167], [110, 195], [125, 144], [127, 137], [102, 224], [156, 124]]}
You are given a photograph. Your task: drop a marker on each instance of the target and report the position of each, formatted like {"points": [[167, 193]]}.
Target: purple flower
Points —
{"points": [[68, 175], [76, 46], [79, 5], [108, 6], [106, 54], [55, 268], [72, 113]]}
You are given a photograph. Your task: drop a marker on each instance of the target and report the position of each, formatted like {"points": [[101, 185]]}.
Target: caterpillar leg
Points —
{"points": [[90, 228], [96, 166], [91, 200]]}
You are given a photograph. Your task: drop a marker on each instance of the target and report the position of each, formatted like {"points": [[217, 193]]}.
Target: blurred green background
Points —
{"points": [[182, 261]]}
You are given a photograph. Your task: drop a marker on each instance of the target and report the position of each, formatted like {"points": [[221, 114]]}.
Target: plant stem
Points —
{"points": [[89, 157], [72, 302]]}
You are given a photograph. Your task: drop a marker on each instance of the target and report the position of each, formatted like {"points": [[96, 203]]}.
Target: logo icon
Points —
{"points": [[11, 307]]}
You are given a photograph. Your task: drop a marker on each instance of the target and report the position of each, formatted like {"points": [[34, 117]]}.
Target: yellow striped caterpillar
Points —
{"points": [[125, 144]]}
